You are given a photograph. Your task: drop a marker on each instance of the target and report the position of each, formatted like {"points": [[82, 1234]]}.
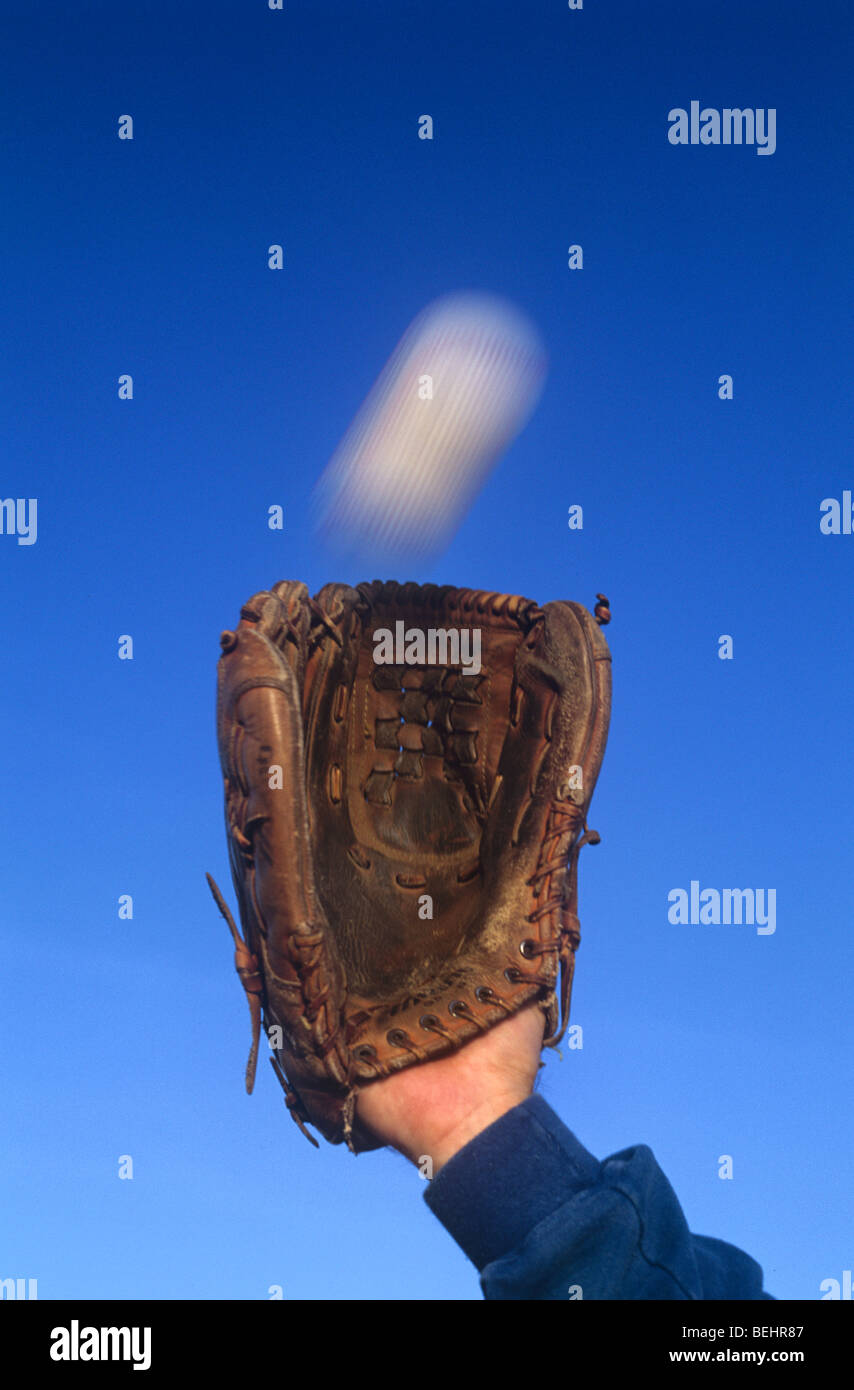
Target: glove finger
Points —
{"points": [[261, 741]]}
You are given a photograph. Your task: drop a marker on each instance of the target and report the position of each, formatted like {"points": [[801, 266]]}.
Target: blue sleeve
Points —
{"points": [[541, 1218]]}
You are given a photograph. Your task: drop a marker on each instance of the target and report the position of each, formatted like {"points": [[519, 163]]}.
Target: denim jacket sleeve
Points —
{"points": [[541, 1218]]}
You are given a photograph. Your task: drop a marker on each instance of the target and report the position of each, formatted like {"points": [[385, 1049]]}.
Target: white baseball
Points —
{"points": [[456, 391]]}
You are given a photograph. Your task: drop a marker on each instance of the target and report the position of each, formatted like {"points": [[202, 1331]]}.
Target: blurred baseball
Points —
{"points": [[456, 391]]}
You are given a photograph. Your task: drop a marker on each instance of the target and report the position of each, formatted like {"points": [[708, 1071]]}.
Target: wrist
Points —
{"points": [[441, 1141]]}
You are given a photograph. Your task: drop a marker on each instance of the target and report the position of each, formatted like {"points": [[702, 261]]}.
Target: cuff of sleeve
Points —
{"points": [[507, 1179]]}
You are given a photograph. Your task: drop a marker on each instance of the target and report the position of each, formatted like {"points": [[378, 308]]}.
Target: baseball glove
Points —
{"points": [[407, 776]]}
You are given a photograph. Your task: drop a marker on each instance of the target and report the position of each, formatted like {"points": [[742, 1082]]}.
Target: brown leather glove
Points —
{"points": [[408, 771]]}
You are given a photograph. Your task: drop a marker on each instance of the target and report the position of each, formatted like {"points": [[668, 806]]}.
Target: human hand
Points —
{"points": [[434, 1109]]}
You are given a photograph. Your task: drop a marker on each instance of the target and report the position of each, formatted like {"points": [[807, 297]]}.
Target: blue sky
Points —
{"points": [[701, 518]]}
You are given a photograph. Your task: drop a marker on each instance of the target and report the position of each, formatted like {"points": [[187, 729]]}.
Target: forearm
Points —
{"points": [[541, 1218]]}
